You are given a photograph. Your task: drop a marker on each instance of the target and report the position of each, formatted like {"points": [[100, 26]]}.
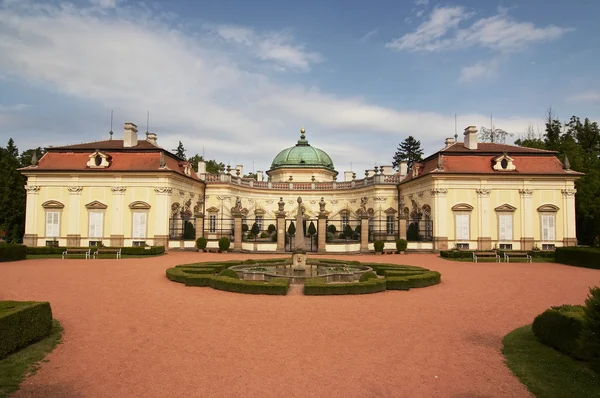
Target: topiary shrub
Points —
{"points": [[249, 261], [274, 238], [291, 229], [412, 233], [367, 275], [378, 245], [201, 243], [312, 229], [255, 229], [318, 287], [229, 273], [401, 245], [245, 228], [10, 252], [591, 330], [271, 228], [329, 237], [561, 328], [189, 231], [357, 229], [224, 244], [348, 231], [263, 235], [588, 257], [332, 229], [22, 323], [342, 235]]}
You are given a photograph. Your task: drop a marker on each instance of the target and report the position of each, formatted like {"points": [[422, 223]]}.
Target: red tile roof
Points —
{"points": [[65, 160], [457, 159], [108, 144]]}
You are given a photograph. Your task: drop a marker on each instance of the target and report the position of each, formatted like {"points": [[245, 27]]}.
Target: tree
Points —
{"points": [[12, 194], [311, 229], [531, 139], [291, 229], [212, 166], [255, 229], [180, 151], [250, 175], [26, 156], [493, 135], [408, 151]]}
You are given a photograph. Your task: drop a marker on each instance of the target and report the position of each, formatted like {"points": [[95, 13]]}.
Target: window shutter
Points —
{"points": [[52, 224], [547, 227], [95, 224], [550, 227], [462, 227], [139, 225], [505, 226]]}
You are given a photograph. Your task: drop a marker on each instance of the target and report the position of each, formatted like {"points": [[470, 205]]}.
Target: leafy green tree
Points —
{"points": [[12, 194], [180, 151], [531, 140], [408, 151], [26, 156], [250, 175], [212, 166]]}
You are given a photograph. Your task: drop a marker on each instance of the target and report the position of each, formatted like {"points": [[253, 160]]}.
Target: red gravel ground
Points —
{"points": [[130, 332]]}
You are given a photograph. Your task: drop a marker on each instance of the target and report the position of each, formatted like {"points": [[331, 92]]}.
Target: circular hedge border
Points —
{"points": [[385, 277]]}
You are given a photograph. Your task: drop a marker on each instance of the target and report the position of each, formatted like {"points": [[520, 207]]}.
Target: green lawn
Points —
{"points": [[15, 367], [545, 371], [492, 260], [82, 256]]}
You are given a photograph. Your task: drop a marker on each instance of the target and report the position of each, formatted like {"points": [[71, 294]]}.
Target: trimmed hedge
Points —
{"points": [[22, 323], [560, 328], [407, 282], [367, 275], [587, 257], [469, 253], [318, 287], [229, 273], [277, 286], [131, 251], [10, 252]]}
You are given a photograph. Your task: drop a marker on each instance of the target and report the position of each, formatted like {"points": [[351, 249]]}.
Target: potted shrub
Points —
{"points": [[401, 245], [224, 244], [201, 243], [378, 245]]}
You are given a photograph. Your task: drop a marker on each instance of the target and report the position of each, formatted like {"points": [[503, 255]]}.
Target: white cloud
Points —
{"points": [[271, 46], [197, 89], [421, 2], [104, 3], [13, 108], [368, 35], [586, 96], [499, 32], [479, 70]]}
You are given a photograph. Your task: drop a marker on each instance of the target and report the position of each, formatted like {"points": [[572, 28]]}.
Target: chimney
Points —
{"points": [[260, 176], [151, 138], [201, 167], [347, 176], [471, 138], [241, 169], [449, 141], [130, 135], [403, 168]]}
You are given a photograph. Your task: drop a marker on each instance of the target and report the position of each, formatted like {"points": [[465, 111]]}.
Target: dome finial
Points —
{"points": [[302, 131]]}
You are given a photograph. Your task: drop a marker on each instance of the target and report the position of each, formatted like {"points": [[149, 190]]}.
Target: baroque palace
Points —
{"points": [[467, 195]]}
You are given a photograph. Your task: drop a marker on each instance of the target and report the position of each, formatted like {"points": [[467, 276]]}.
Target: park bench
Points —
{"points": [[212, 249], [78, 250], [509, 255], [108, 250], [389, 251], [477, 255]]}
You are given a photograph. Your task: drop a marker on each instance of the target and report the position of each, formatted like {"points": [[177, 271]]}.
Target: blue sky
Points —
{"points": [[238, 79]]}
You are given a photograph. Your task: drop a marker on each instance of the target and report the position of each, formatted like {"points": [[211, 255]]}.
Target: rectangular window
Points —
{"points": [[548, 227], [389, 225], [52, 224], [212, 223], [95, 224], [95, 243], [259, 222], [548, 246], [462, 227], [344, 221], [505, 222], [462, 246], [505, 246], [139, 225], [139, 243]]}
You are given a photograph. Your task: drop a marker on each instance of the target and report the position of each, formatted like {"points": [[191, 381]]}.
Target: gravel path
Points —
{"points": [[130, 332]]}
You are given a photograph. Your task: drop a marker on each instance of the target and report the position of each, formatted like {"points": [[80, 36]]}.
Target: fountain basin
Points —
{"points": [[330, 272]]}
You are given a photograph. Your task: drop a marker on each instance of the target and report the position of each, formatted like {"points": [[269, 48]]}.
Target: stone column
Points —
{"points": [[569, 233], [484, 239], [117, 238], [281, 231], [199, 225], [74, 212], [527, 240], [237, 230], [31, 216], [322, 237], [364, 233], [440, 231], [402, 226], [162, 212]]}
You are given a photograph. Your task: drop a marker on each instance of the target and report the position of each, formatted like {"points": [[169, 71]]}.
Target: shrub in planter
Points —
{"points": [[401, 245], [245, 228], [331, 229], [224, 244], [201, 243], [255, 229], [591, 330], [329, 237], [271, 228], [10, 252], [357, 229], [378, 245], [348, 231], [367, 275], [291, 229], [263, 235], [189, 231], [229, 273], [561, 328], [274, 238], [312, 229], [342, 235]]}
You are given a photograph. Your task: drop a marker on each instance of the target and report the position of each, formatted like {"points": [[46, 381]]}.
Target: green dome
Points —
{"points": [[302, 155]]}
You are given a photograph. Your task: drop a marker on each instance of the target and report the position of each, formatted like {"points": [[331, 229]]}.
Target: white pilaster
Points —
{"points": [[74, 211], [118, 213]]}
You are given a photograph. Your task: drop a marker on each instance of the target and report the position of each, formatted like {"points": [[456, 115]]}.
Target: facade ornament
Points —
{"points": [[322, 205], [568, 192], [354, 176], [437, 192], [175, 208], [250, 200], [379, 199], [566, 164], [75, 189], [291, 202], [420, 194], [313, 178], [353, 200], [199, 208], [334, 201], [238, 204], [269, 201], [526, 192], [219, 197], [117, 190], [483, 192], [181, 193], [410, 196], [192, 195], [281, 205], [312, 202], [32, 188], [163, 190]]}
